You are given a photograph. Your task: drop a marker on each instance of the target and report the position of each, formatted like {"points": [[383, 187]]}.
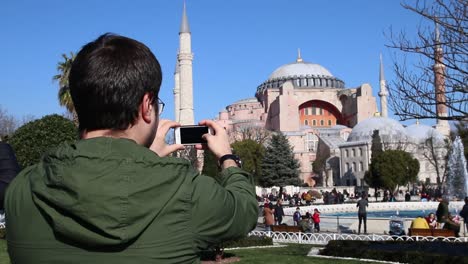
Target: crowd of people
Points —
{"points": [[310, 222]]}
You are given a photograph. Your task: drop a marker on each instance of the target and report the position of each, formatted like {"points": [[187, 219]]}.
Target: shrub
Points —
{"points": [[400, 251], [33, 139], [250, 241], [217, 252]]}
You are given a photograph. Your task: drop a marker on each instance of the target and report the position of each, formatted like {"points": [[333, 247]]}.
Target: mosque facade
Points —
{"points": [[321, 117]]}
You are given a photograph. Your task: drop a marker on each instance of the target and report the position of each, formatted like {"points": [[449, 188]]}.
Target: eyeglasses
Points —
{"points": [[161, 105]]}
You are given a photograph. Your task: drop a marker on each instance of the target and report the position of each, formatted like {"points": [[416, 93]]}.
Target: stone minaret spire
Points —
{"points": [[177, 91], [185, 58], [439, 85], [383, 93]]}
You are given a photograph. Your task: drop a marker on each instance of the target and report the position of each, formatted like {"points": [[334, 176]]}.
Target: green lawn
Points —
{"points": [[293, 253], [4, 259]]}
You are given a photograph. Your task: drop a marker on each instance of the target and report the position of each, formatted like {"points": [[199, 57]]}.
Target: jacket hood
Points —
{"points": [[104, 191]]}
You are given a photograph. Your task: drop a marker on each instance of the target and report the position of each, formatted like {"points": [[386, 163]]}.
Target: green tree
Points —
{"points": [[396, 168], [372, 177], [251, 154], [33, 139], [318, 165], [279, 167], [210, 164], [64, 96]]}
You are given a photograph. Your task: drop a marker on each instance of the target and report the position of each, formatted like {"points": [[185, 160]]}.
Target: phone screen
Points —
{"points": [[192, 134]]}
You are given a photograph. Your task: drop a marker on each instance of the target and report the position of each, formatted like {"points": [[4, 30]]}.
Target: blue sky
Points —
{"points": [[236, 44]]}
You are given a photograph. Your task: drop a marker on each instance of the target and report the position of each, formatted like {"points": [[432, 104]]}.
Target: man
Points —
{"points": [[464, 213], [115, 196], [304, 224], [362, 213], [407, 197], [279, 212], [443, 216]]}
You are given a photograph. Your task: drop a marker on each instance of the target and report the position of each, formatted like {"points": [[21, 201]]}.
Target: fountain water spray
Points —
{"points": [[457, 175]]}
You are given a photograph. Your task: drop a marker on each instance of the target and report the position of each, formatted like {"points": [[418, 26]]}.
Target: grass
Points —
{"points": [[293, 253], [4, 259]]}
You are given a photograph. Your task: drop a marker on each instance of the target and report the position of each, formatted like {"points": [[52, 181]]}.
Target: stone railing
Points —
{"points": [[324, 238]]}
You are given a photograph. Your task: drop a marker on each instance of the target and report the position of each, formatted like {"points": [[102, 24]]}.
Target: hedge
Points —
{"points": [[400, 251]]}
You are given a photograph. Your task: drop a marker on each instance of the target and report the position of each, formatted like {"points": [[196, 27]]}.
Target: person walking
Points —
{"points": [[316, 219], [362, 213], [268, 218], [279, 212]]}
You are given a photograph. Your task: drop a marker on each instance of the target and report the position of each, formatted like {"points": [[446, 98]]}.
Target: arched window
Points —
{"points": [[346, 153], [321, 122], [360, 166], [347, 167], [360, 152], [353, 153], [329, 122], [306, 122], [314, 122], [314, 111], [311, 142], [354, 167]]}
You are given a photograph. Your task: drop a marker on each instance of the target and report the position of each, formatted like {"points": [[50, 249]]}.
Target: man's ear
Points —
{"points": [[147, 108]]}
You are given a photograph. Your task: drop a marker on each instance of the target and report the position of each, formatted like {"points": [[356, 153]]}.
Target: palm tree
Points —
{"points": [[64, 95]]}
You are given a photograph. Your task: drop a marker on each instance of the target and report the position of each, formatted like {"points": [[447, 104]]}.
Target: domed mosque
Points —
{"points": [[316, 112], [306, 102]]}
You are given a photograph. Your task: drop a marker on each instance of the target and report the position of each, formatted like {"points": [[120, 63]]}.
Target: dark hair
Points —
{"points": [[108, 80]]}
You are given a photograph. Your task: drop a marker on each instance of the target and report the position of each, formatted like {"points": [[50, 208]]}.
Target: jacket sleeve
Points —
{"points": [[224, 207]]}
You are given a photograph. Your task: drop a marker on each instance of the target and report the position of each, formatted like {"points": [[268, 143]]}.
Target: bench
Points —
{"points": [[285, 228], [431, 232]]}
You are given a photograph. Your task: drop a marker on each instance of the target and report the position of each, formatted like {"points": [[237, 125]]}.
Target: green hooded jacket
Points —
{"points": [[106, 200]]}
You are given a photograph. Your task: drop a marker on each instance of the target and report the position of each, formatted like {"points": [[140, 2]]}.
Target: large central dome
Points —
{"points": [[300, 68], [303, 75]]}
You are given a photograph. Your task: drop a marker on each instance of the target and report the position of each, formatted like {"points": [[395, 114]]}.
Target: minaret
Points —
{"points": [[177, 91], [185, 58], [439, 84], [383, 93]]}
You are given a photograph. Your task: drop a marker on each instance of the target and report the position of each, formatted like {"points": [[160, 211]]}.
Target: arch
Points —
{"points": [[323, 112]]}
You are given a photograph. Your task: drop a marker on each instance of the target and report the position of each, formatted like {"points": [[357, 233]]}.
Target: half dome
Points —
{"points": [[390, 130], [419, 133]]}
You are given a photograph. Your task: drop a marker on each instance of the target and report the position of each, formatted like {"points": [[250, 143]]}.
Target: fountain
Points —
{"points": [[457, 175]]}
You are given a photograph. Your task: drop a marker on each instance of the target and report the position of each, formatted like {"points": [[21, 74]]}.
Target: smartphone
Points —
{"points": [[191, 135]]}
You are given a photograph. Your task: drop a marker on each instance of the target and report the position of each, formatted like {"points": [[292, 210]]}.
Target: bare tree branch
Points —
{"points": [[412, 93]]}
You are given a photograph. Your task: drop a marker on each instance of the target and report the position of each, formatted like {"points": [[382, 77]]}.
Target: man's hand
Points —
{"points": [[217, 143], [159, 143]]}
